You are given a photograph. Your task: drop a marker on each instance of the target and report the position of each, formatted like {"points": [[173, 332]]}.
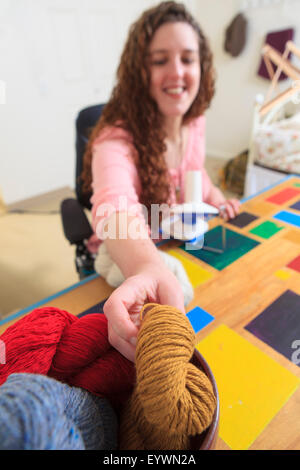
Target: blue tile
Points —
{"points": [[288, 217], [199, 318]]}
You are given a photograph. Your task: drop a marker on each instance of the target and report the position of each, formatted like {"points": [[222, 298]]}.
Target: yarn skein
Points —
{"points": [[53, 342], [40, 413], [172, 400]]}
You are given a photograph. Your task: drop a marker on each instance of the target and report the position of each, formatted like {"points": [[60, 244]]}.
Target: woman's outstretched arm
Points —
{"points": [[147, 279]]}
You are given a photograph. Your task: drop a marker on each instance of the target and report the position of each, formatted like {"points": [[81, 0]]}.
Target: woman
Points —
{"points": [[151, 132]]}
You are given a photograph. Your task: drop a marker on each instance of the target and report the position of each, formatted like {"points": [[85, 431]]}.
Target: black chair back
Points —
{"points": [[86, 120]]}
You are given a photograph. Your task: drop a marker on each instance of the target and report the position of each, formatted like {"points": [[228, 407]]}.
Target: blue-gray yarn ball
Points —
{"points": [[40, 413]]}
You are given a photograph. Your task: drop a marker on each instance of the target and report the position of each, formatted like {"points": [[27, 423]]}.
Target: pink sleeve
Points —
{"points": [[116, 185]]}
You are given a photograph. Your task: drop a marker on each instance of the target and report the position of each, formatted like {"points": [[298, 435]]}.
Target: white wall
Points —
{"points": [[58, 56], [229, 119]]}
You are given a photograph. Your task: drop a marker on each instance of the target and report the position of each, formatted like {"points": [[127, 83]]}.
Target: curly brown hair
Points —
{"points": [[132, 107]]}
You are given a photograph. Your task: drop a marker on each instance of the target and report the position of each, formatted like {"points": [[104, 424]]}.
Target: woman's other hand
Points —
{"points": [[230, 209]]}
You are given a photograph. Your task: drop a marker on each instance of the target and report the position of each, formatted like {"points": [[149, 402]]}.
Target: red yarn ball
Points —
{"points": [[74, 350]]}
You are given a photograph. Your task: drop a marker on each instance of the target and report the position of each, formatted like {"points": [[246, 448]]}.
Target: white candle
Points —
{"points": [[193, 186]]}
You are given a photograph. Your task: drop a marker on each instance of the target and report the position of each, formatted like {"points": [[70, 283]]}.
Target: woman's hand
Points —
{"points": [[153, 283], [229, 208]]}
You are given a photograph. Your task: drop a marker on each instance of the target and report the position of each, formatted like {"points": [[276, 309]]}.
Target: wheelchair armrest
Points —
{"points": [[75, 222]]}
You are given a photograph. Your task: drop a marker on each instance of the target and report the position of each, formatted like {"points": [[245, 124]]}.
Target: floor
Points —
{"points": [[36, 260]]}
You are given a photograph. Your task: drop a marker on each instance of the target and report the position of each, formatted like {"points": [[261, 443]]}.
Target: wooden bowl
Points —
{"points": [[207, 439]]}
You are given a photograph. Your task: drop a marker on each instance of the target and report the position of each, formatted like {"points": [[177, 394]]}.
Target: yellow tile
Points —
{"points": [[282, 274], [196, 274], [252, 386]]}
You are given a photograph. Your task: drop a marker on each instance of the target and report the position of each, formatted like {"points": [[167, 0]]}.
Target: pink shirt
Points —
{"points": [[114, 172]]}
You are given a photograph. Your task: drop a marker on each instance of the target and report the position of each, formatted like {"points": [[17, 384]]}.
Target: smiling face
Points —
{"points": [[174, 68]]}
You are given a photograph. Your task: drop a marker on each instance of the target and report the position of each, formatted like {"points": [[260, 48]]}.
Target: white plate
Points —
{"points": [[194, 207], [173, 227]]}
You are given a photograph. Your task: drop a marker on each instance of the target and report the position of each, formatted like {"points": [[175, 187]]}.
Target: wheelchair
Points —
{"points": [[76, 226]]}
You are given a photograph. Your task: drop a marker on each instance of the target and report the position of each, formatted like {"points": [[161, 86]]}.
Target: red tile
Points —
{"points": [[283, 196], [295, 264]]}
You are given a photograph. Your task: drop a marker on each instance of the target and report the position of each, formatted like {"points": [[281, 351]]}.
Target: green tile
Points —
{"points": [[237, 245], [266, 229], [297, 185]]}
